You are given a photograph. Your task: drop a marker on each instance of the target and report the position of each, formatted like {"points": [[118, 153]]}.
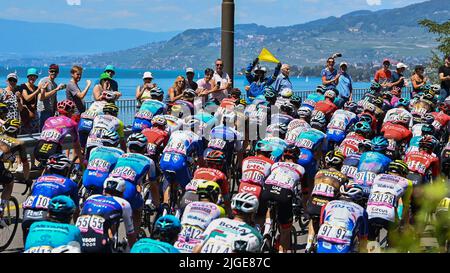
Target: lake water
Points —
{"points": [[128, 79]]}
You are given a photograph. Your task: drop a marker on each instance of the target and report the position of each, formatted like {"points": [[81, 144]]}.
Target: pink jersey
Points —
{"points": [[255, 169], [56, 128]]}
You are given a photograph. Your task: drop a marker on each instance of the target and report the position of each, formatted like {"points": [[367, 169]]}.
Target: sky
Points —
{"points": [[179, 15]]}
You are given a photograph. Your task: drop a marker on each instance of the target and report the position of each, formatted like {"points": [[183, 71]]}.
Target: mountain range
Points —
{"points": [[362, 37]]}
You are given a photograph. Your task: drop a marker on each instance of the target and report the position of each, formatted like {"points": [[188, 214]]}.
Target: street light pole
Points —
{"points": [[228, 37]]}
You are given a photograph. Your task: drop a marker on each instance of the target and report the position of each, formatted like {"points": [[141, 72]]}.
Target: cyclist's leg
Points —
{"points": [[285, 217], [136, 202], [7, 180], [313, 209]]}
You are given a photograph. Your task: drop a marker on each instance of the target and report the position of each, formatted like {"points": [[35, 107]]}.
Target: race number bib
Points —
{"points": [[216, 245], [51, 135], [217, 143], [147, 115], [305, 143], [378, 198], [392, 145], [253, 176], [95, 222], [151, 148], [323, 190], [41, 202], [350, 171], [333, 233], [40, 249], [176, 146], [126, 173], [281, 179], [191, 232], [365, 177], [337, 124], [98, 164], [416, 166]]}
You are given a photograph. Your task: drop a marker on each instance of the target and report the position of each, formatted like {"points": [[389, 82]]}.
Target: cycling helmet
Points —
{"points": [[243, 102], [378, 101], [189, 93], [375, 86], [379, 144], [427, 143], [11, 126], [428, 118], [296, 100], [59, 164], [159, 121], [351, 191], [114, 185], [270, 95], [428, 96], [387, 95], [287, 108], [209, 190], [111, 108], [110, 138], [366, 118], [71, 247], [3, 109], [350, 106], [362, 128], [330, 94], [215, 157], [334, 159], [435, 88], [156, 92], [369, 107], [264, 147], [318, 119], [403, 102], [321, 89], [304, 112], [425, 87], [398, 167], [427, 129], [277, 129], [286, 93], [61, 208], [292, 152], [442, 106], [136, 141], [108, 95], [167, 228], [66, 107], [192, 123], [245, 202], [260, 68], [365, 146]]}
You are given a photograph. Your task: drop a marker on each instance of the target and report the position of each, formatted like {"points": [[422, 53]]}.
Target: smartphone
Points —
{"points": [[64, 86], [218, 83]]}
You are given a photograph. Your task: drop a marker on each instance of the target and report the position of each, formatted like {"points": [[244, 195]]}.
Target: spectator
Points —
{"points": [[106, 83], [176, 91], [143, 91], [418, 79], [222, 80], [30, 93], [112, 71], [384, 75], [204, 85], [74, 93], [398, 80], [444, 77], [48, 99], [11, 96], [330, 77], [190, 83], [258, 81], [283, 80], [345, 86]]}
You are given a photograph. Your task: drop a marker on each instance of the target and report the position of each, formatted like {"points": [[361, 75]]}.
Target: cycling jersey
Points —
{"points": [[173, 123], [281, 118], [102, 161], [255, 169], [148, 245], [210, 174], [228, 103], [313, 140], [440, 120], [156, 140], [220, 235], [278, 145], [103, 124], [420, 162], [370, 164], [341, 120], [350, 165], [9, 146], [94, 110], [327, 184], [396, 132], [312, 99], [394, 115], [226, 139], [148, 110], [99, 215], [87, 120], [45, 235], [295, 128], [285, 175], [184, 143], [56, 128], [196, 218], [350, 144], [386, 190], [341, 221], [326, 107]]}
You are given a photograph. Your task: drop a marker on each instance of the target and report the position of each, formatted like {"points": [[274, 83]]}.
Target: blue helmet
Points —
{"points": [[167, 227], [379, 144], [61, 207], [363, 127], [403, 102]]}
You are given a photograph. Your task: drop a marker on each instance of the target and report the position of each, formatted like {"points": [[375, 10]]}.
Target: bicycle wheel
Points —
{"points": [[9, 223]]}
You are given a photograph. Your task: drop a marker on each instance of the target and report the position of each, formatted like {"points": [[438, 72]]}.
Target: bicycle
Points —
{"points": [[9, 222], [146, 228]]}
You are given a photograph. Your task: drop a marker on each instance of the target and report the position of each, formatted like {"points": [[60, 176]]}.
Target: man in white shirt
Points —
{"points": [[222, 80]]}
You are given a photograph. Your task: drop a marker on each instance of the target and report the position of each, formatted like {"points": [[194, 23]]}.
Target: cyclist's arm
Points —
{"points": [[128, 222], [24, 160]]}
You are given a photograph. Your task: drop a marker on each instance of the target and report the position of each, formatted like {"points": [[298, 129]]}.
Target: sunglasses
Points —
{"points": [[54, 72], [219, 64], [331, 62], [110, 72], [12, 80]]}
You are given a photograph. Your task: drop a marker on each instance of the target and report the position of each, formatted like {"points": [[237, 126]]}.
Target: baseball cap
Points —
{"points": [[147, 75], [12, 76], [343, 63], [386, 61], [32, 71], [105, 76], [53, 67], [189, 70], [401, 65], [110, 67]]}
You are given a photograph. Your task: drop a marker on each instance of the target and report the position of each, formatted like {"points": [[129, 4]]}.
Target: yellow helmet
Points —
{"points": [[209, 190]]}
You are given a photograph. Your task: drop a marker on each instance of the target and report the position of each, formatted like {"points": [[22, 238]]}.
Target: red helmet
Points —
{"points": [[66, 107]]}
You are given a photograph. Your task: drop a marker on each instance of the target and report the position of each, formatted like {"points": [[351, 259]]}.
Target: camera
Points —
{"points": [[336, 55]]}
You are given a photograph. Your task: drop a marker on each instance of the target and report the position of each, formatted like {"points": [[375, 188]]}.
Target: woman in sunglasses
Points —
{"points": [[176, 91], [11, 97]]}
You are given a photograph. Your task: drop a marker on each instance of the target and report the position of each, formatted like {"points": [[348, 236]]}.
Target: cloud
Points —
{"points": [[73, 2], [373, 2]]}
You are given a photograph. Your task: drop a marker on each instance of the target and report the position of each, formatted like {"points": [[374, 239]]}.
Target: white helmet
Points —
{"points": [[330, 94], [71, 247], [351, 190], [435, 87], [245, 202], [286, 93], [116, 184], [304, 112]]}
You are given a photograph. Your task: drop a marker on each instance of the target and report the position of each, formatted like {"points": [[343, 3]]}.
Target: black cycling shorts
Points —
{"points": [[93, 242], [188, 197], [6, 177], [46, 149], [283, 197], [376, 224], [315, 204]]}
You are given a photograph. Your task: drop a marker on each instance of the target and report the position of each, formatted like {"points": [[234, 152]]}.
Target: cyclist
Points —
{"points": [[198, 215], [326, 187], [148, 110], [135, 168], [418, 131], [107, 122], [281, 186], [372, 163], [398, 136], [101, 215], [53, 182], [401, 110], [340, 122], [297, 126], [102, 161], [314, 98], [275, 134], [236, 235], [173, 123], [54, 131], [56, 231], [368, 115], [441, 119], [342, 221], [351, 162], [165, 235], [285, 115], [327, 106], [9, 146], [423, 164], [350, 145], [389, 200]]}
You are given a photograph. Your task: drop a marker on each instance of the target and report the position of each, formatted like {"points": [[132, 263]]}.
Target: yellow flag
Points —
{"points": [[266, 56]]}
